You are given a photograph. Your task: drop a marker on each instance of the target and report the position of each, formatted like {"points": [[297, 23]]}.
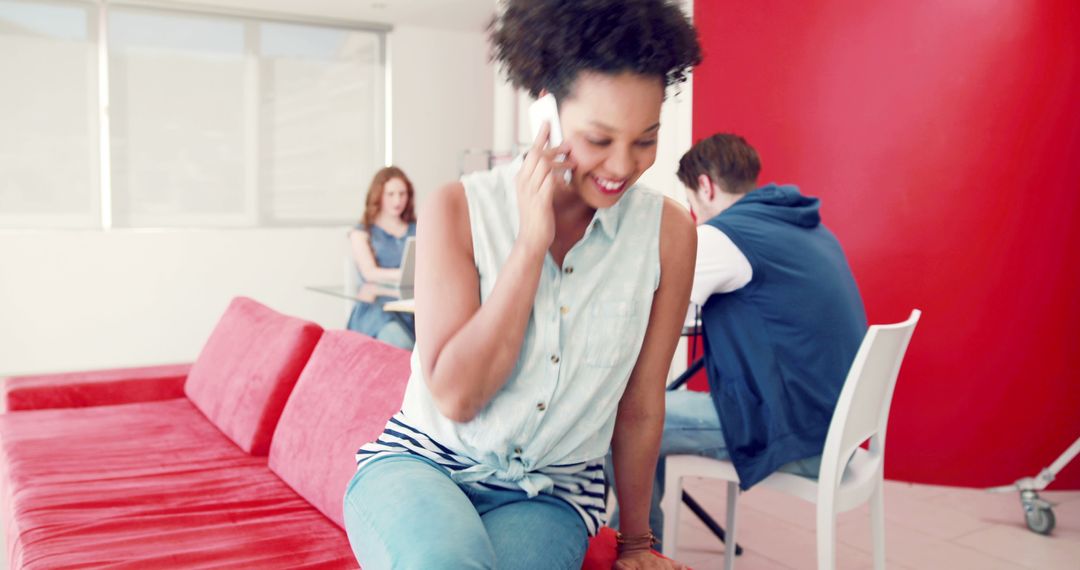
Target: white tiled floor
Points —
{"points": [[927, 527]]}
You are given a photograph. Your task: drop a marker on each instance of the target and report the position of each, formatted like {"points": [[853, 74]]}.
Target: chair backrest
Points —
{"points": [[862, 411], [351, 277]]}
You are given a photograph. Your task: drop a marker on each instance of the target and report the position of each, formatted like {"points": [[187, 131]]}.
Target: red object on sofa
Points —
{"points": [[603, 553]]}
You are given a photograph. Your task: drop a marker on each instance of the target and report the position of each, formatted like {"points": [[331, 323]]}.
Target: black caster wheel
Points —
{"points": [[1039, 519]]}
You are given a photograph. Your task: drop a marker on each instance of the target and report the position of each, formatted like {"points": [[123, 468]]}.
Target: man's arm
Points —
{"points": [[721, 266]]}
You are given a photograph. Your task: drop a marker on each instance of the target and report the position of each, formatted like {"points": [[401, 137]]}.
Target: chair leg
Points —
{"points": [[730, 544], [877, 524], [671, 504], [826, 535]]}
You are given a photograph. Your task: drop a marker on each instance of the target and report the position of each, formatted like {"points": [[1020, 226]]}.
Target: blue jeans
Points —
{"points": [[395, 334], [692, 427], [370, 319], [404, 511]]}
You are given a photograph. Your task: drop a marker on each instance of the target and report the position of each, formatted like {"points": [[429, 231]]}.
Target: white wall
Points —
{"points": [[93, 299], [443, 102], [74, 300], [675, 139]]}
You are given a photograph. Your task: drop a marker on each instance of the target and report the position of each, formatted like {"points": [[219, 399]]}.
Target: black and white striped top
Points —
{"points": [[582, 485]]}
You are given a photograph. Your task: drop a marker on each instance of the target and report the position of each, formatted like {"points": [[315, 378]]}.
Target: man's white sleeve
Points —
{"points": [[721, 266]]}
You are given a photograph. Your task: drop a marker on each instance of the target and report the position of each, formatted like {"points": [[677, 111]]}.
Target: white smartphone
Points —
{"points": [[546, 109]]}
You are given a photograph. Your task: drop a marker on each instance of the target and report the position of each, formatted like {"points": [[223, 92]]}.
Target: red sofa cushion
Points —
{"points": [[151, 485], [96, 388], [246, 370], [350, 387]]}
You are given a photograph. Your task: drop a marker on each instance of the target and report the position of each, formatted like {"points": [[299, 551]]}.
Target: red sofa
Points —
{"points": [[238, 460]]}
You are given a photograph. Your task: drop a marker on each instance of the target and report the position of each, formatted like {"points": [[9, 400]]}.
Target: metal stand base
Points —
{"points": [[708, 520]]}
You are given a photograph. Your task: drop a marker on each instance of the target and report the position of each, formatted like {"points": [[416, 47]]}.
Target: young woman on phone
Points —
{"points": [[548, 315]]}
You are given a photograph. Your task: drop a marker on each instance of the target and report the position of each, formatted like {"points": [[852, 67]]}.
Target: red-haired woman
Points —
{"points": [[378, 242]]}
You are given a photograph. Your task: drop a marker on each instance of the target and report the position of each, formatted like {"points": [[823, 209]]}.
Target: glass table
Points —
{"points": [[393, 301]]}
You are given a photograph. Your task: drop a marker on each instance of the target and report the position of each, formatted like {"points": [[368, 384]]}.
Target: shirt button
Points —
{"points": [[569, 269], [555, 358], [564, 309], [541, 406], [517, 451]]}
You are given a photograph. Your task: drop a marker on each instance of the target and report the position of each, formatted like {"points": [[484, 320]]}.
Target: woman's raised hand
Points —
{"points": [[541, 173]]}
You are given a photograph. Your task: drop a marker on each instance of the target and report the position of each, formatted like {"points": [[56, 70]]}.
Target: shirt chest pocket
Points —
{"points": [[613, 332]]}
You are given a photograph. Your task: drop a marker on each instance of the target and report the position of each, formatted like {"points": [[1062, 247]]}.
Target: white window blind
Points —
{"points": [[177, 94], [48, 115], [222, 121], [320, 122]]}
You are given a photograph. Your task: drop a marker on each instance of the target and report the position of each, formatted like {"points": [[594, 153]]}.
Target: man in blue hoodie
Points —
{"points": [[782, 320]]}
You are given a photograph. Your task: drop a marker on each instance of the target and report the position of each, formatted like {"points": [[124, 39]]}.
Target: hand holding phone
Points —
{"points": [[546, 109], [537, 179]]}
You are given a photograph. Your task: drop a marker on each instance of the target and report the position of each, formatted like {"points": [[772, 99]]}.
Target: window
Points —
{"points": [[320, 121], [232, 122], [214, 121], [48, 115], [179, 126]]}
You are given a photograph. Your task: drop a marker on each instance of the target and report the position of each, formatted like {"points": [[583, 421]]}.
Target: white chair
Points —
{"points": [[862, 412]]}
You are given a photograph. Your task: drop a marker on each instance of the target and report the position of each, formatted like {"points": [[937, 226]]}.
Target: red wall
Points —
{"points": [[944, 141]]}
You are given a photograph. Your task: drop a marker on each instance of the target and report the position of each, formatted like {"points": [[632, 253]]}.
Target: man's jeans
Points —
{"points": [[692, 427]]}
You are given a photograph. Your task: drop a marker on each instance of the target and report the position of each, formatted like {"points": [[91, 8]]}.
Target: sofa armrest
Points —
{"points": [[95, 388]]}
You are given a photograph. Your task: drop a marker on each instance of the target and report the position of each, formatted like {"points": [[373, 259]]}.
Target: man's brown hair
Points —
{"points": [[727, 159]]}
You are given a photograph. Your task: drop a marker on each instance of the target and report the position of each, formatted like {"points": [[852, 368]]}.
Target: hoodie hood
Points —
{"points": [[780, 202]]}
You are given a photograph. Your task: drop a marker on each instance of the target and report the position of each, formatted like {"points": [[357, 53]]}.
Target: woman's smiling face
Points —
{"points": [[611, 123]]}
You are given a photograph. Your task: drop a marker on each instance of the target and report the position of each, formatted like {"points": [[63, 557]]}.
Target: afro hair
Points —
{"points": [[545, 44]]}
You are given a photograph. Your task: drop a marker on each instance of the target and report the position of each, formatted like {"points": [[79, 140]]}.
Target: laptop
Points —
{"points": [[404, 284], [408, 265]]}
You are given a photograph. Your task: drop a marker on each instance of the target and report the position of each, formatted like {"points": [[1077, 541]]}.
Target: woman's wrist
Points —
{"points": [[530, 249], [630, 543]]}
